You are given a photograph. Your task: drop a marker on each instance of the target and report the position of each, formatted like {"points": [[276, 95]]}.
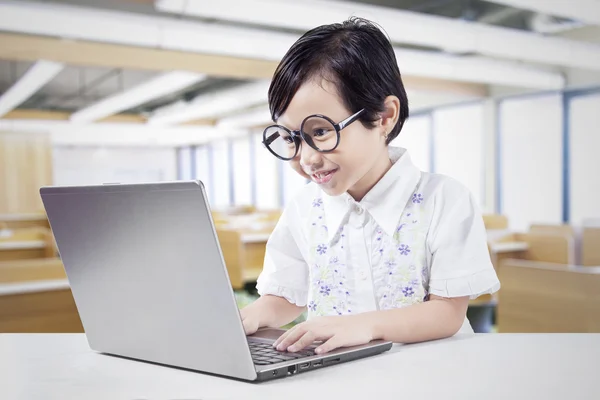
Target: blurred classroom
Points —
{"points": [[504, 96]]}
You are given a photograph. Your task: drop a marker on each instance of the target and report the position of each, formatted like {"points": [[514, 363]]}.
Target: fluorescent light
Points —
{"points": [[118, 134], [38, 75], [469, 69], [211, 38], [248, 119], [213, 105], [159, 86], [407, 27], [587, 11]]}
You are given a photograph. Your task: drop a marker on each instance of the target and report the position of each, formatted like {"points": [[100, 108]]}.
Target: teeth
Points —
{"points": [[321, 175]]}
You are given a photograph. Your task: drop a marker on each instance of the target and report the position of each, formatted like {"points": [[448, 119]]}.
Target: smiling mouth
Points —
{"points": [[324, 176]]}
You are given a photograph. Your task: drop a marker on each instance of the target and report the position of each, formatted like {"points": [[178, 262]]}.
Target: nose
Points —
{"points": [[309, 157]]}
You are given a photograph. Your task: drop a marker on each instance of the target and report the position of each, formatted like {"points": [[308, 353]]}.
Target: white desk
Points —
{"points": [[22, 245], [33, 286], [507, 247], [492, 366], [259, 237]]}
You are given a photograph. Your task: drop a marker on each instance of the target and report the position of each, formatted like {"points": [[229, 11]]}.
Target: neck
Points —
{"points": [[370, 179]]}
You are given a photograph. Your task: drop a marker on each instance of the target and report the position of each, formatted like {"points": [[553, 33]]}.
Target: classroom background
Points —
{"points": [[504, 96]]}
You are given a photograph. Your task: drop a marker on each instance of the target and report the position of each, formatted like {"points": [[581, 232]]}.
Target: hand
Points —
{"points": [[249, 320], [342, 331]]}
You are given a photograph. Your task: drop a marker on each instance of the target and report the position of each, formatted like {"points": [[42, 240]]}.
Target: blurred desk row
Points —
{"points": [[543, 288]]}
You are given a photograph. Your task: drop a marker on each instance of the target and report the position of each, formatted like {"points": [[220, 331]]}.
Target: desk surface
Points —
{"points": [[507, 247], [22, 245], [487, 366]]}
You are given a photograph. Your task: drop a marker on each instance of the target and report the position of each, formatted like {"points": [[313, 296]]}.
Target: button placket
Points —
{"points": [[359, 256]]}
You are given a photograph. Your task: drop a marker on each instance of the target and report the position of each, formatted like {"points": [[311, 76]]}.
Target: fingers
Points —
{"points": [[306, 340], [330, 345], [291, 337], [250, 326]]}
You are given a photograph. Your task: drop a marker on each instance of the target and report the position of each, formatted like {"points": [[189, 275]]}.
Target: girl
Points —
{"points": [[373, 248]]}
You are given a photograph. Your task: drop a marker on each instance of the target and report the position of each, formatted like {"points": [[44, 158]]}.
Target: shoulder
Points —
{"points": [[443, 189], [455, 212]]}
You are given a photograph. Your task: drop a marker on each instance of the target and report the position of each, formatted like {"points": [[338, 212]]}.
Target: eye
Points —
{"points": [[320, 132]]}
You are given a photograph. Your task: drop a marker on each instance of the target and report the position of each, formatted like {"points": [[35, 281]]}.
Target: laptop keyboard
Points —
{"points": [[265, 354]]}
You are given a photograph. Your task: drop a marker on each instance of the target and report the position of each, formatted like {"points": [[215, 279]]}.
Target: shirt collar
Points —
{"points": [[385, 201]]}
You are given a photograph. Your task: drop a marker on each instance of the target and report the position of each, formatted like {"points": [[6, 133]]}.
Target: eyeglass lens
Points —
{"points": [[318, 132]]}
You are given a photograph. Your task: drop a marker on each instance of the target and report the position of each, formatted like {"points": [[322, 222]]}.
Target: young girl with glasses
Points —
{"points": [[372, 248]]}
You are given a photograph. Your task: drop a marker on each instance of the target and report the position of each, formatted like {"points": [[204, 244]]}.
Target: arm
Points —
{"points": [[437, 318], [269, 312], [283, 283]]}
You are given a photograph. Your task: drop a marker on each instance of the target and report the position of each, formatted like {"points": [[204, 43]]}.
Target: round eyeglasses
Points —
{"points": [[318, 131]]}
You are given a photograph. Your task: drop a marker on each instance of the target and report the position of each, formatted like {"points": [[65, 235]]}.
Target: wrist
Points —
{"points": [[372, 321]]}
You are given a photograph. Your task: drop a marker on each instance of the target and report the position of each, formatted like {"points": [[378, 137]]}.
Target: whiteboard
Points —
{"points": [[78, 165]]}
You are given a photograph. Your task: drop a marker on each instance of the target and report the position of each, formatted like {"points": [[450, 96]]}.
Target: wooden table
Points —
{"points": [[488, 366], [21, 250]]}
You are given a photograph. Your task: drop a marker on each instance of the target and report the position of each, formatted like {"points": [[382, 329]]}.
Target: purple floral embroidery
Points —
{"points": [[414, 282], [313, 306], [321, 249], [408, 291], [390, 263], [417, 198], [317, 202], [404, 249], [400, 227], [325, 290], [334, 260]]}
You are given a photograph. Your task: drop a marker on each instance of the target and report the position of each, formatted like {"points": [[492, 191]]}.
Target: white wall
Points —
{"points": [[221, 177], [96, 165], [266, 175], [531, 160], [184, 160], [459, 146], [416, 138], [203, 167], [242, 170], [584, 159]]}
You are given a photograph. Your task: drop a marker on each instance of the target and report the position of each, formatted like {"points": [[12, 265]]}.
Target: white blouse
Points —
{"points": [[413, 234]]}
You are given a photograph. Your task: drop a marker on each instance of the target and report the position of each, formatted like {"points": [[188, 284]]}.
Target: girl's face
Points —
{"points": [[360, 159]]}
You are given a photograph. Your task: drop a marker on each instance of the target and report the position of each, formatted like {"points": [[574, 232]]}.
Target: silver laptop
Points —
{"points": [[149, 280]]}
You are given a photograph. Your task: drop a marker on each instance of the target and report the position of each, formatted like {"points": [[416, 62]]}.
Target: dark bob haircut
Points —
{"points": [[356, 56]]}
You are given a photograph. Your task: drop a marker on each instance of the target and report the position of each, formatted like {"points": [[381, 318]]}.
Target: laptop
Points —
{"points": [[150, 283]]}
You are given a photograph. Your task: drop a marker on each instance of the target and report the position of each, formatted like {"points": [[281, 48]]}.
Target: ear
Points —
{"points": [[390, 114]]}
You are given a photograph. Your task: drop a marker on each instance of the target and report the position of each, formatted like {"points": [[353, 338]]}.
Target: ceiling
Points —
{"points": [[77, 86]]}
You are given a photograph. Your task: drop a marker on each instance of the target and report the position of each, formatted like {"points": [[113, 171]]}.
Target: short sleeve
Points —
{"points": [[460, 261], [285, 272]]}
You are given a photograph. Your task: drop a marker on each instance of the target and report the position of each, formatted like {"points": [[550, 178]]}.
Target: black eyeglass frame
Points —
{"points": [[298, 135]]}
